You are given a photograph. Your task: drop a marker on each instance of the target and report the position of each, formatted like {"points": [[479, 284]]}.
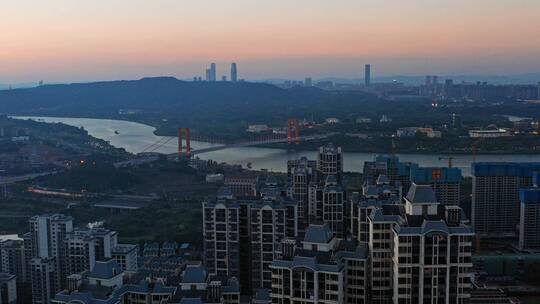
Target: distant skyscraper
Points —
{"points": [[212, 72], [428, 80], [308, 82], [234, 72], [367, 75], [207, 78]]}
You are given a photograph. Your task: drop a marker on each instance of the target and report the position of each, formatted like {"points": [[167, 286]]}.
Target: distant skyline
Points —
{"points": [[77, 40]]}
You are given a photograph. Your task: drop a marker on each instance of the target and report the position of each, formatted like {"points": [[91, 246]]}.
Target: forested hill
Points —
{"points": [[153, 94], [166, 102]]}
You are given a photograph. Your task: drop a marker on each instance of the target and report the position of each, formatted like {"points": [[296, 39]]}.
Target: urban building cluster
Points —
{"points": [[211, 74], [477, 91], [402, 238], [58, 263]]}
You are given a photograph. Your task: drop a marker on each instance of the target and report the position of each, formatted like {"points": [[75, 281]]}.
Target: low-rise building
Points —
{"points": [[258, 128], [489, 133]]}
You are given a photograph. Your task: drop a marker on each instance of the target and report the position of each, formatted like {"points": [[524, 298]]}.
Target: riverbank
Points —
{"points": [[454, 145], [136, 137]]}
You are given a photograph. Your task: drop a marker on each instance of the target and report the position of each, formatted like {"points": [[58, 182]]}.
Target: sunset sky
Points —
{"points": [[82, 40]]}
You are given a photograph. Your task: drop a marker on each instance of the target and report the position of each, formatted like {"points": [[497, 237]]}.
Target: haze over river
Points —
{"points": [[136, 137]]}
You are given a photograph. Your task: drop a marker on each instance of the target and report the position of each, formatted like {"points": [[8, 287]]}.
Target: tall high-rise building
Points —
{"points": [[529, 219], [44, 279], [12, 259], [333, 204], [432, 252], [367, 75], [47, 246], [420, 252], [330, 161], [221, 227], [373, 196], [242, 237], [381, 224], [322, 269], [207, 77], [444, 181], [234, 72], [80, 253], [308, 82], [301, 173], [213, 72], [495, 196]]}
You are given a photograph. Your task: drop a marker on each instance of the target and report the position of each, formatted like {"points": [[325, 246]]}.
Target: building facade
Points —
{"points": [[495, 196]]}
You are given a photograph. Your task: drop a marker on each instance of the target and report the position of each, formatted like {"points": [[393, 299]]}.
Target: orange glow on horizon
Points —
{"points": [[75, 39]]}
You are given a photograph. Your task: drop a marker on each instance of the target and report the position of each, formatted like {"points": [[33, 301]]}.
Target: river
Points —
{"points": [[136, 137]]}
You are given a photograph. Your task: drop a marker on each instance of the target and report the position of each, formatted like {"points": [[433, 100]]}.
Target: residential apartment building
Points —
{"points": [[333, 206], [126, 256], [390, 166], [44, 279], [529, 219], [79, 252], [445, 182], [300, 174], [330, 161], [432, 252], [322, 269], [47, 254], [249, 229], [13, 261], [495, 197]]}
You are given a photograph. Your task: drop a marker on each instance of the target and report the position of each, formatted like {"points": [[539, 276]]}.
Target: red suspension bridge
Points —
{"points": [[185, 150]]}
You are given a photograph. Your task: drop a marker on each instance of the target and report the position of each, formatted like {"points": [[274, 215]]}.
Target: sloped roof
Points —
{"points": [[105, 269], [421, 194], [318, 234], [194, 274]]}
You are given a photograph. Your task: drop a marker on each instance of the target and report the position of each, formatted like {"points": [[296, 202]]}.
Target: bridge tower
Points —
{"points": [[293, 131], [181, 133]]}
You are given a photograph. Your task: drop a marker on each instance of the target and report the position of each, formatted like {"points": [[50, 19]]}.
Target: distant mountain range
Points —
{"points": [[159, 94], [167, 102]]}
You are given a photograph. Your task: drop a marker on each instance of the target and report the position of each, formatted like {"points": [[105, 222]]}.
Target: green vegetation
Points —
{"points": [[158, 222], [93, 176]]}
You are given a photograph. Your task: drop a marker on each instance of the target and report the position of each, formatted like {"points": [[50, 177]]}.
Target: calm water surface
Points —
{"points": [[136, 137]]}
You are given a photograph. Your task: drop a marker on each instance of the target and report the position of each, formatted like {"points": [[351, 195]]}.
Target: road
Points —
{"points": [[6, 180]]}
